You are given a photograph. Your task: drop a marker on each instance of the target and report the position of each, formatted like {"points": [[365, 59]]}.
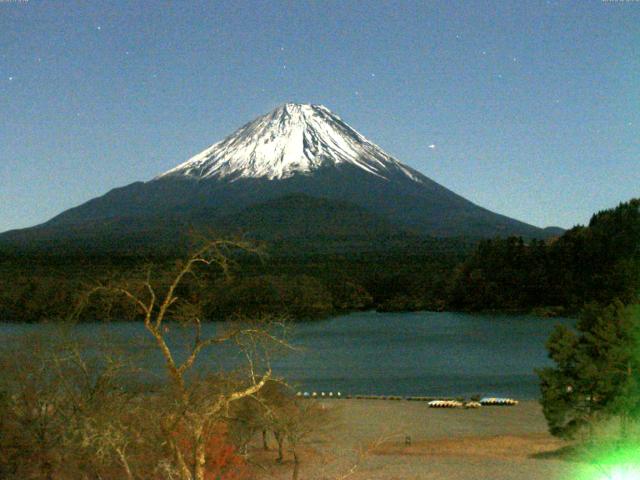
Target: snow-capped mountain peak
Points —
{"points": [[292, 139]]}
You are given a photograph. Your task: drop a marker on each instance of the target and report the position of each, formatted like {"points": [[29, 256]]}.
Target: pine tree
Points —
{"points": [[597, 372]]}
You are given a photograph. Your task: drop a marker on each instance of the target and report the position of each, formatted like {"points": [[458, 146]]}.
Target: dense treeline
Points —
{"points": [[303, 287], [596, 263]]}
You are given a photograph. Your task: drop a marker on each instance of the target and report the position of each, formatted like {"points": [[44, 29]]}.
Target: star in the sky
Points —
{"points": [[98, 27], [432, 146], [11, 79]]}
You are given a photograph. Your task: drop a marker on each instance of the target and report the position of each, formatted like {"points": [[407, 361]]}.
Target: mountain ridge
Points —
{"points": [[295, 149]]}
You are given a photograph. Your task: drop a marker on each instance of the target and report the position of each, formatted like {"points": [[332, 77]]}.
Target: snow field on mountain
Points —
{"points": [[294, 138]]}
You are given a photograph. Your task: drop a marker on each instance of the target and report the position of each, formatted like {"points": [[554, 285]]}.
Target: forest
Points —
{"points": [[598, 263]]}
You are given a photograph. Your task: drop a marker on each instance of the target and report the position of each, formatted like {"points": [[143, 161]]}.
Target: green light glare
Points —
{"points": [[621, 463], [624, 473]]}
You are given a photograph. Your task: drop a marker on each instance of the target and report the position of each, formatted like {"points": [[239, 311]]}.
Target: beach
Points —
{"points": [[399, 439]]}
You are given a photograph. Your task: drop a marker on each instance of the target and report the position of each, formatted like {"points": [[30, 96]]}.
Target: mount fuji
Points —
{"points": [[293, 139], [299, 172]]}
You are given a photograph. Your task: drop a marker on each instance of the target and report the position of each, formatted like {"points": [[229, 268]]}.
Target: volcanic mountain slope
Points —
{"points": [[295, 149]]}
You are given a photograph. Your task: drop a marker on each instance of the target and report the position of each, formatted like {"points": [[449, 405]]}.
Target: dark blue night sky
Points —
{"points": [[531, 109]]}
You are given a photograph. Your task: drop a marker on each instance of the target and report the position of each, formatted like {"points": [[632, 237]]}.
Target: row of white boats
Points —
{"points": [[488, 401], [434, 403]]}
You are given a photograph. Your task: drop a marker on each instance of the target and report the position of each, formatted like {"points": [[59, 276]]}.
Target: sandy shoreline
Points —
{"points": [[498, 443]]}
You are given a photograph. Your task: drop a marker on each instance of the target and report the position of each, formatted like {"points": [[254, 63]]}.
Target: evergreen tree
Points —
{"points": [[597, 372]]}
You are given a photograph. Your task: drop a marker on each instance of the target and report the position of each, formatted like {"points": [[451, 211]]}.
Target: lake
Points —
{"points": [[408, 354]]}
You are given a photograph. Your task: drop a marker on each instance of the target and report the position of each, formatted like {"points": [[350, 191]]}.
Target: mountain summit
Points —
{"points": [[297, 172], [294, 138]]}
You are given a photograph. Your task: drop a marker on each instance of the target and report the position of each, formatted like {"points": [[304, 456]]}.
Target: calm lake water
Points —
{"points": [[424, 353]]}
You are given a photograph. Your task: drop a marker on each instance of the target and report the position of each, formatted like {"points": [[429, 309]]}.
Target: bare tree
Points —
{"points": [[272, 403], [194, 407], [302, 418], [56, 395], [290, 418]]}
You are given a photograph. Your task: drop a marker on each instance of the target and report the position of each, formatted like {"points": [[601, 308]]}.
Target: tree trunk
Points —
{"points": [[624, 418], [125, 463], [296, 464], [174, 448], [200, 459], [624, 426], [280, 440], [47, 470], [265, 444]]}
